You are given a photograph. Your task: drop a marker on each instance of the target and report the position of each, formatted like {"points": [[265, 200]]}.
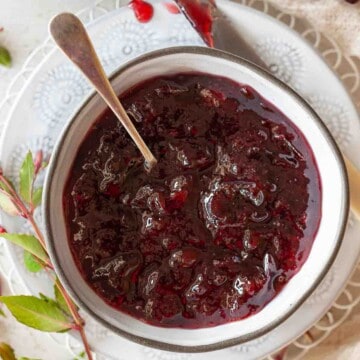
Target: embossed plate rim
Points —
{"points": [[116, 4]]}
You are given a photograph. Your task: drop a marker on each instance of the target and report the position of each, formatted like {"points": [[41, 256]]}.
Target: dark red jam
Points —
{"points": [[218, 227]]}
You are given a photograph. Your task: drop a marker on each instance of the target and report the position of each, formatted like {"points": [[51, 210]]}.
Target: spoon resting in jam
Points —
{"points": [[71, 37]]}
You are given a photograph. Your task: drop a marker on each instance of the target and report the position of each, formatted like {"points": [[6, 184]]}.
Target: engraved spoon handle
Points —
{"points": [[72, 38]]}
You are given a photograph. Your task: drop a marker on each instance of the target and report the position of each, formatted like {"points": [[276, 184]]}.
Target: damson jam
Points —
{"points": [[217, 228]]}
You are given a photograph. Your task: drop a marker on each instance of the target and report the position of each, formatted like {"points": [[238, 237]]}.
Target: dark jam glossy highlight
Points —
{"points": [[221, 224]]}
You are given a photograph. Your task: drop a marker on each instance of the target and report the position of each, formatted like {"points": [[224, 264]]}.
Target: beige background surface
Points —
{"points": [[25, 24]]}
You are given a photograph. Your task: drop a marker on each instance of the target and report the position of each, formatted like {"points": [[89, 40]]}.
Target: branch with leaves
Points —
{"points": [[59, 314]]}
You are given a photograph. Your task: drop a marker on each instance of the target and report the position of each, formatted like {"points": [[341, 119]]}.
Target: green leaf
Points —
{"points": [[80, 356], [32, 264], [5, 57], [7, 205], [2, 313], [6, 352], [61, 301], [49, 300], [27, 173], [37, 313], [57, 304], [28, 242], [6, 187], [37, 196]]}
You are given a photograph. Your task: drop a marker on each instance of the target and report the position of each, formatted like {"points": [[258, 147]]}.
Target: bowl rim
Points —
{"points": [[49, 236]]}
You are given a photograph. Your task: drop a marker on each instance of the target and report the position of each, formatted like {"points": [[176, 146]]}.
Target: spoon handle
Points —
{"points": [[72, 38]]}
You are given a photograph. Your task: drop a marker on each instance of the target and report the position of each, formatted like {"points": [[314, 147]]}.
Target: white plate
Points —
{"points": [[55, 89]]}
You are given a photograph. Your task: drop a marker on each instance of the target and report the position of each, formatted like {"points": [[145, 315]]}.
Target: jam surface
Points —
{"points": [[217, 228]]}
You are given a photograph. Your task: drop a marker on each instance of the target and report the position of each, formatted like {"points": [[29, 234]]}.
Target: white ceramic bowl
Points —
{"points": [[324, 249]]}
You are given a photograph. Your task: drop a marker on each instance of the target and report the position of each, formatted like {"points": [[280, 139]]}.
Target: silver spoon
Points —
{"points": [[70, 35]]}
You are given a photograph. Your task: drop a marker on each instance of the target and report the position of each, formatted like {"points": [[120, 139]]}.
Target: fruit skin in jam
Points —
{"points": [[219, 226]]}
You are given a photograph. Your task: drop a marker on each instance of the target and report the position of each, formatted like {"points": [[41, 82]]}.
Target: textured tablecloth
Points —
{"points": [[25, 27]]}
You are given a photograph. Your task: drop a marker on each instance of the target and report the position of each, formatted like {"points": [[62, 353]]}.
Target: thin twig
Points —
{"points": [[28, 214], [77, 318]]}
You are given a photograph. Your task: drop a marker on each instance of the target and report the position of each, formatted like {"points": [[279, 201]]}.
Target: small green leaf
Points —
{"points": [[49, 300], [7, 205], [28, 242], [37, 196], [61, 301], [27, 173], [56, 303], [2, 313], [32, 264], [6, 187], [80, 356], [37, 313], [5, 57], [6, 352]]}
